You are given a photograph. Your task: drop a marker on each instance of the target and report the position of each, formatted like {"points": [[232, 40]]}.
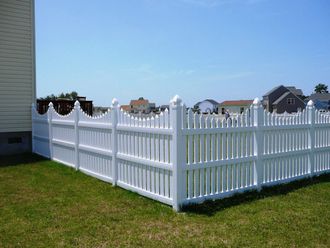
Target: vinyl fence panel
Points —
{"points": [[179, 157]]}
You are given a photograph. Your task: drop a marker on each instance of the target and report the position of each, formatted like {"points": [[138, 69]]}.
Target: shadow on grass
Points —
{"points": [[20, 159], [209, 208]]}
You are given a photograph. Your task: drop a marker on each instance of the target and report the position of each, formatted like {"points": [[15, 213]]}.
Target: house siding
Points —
{"points": [[272, 97], [207, 107], [282, 106], [233, 109], [17, 65]]}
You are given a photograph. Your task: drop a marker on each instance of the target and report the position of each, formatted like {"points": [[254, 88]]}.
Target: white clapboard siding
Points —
{"points": [[179, 157], [17, 65]]}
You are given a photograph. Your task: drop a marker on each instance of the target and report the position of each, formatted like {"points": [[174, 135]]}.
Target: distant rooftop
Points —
{"points": [[293, 89], [140, 101], [208, 100], [272, 90], [125, 107], [236, 102], [320, 97]]}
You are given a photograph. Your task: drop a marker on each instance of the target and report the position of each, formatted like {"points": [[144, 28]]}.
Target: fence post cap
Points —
{"points": [[77, 104], [50, 105], [115, 102], [256, 101], [176, 100], [310, 103]]}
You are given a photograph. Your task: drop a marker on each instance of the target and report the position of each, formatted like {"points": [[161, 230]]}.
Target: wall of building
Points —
{"points": [[283, 105], [207, 107], [17, 71], [273, 96], [233, 109]]}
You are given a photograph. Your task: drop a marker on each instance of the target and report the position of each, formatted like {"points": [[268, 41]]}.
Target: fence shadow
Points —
{"points": [[210, 208], [19, 159]]}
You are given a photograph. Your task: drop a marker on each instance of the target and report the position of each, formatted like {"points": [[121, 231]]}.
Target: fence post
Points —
{"points": [[50, 120], [258, 141], [76, 132], [177, 152], [32, 128], [114, 140], [311, 138]]}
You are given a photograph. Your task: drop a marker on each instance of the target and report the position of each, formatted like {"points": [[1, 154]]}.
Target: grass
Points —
{"points": [[45, 204]]}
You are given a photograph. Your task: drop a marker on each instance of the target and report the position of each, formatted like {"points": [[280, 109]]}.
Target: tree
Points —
{"points": [[74, 95], [50, 97], [70, 96], [321, 88]]}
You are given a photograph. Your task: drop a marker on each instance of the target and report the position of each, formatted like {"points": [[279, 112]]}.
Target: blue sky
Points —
{"points": [[220, 49]]}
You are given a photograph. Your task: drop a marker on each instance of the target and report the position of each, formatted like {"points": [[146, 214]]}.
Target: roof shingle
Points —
{"points": [[236, 102]]}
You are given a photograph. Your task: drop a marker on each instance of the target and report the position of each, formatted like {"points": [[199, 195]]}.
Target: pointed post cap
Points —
{"points": [[256, 101], [310, 103], [76, 104], [115, 102], [176, 100], [50, 105]]}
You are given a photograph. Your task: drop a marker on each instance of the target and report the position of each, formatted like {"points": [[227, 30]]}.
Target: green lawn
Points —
{"points": [[45, 204]]}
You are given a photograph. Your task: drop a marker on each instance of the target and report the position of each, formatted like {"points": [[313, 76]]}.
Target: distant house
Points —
{"points": [[207, 106], [321, 101], [234, 106], [98, 110], [141, 106], [126, 108], [17, 75], [283, 99]]}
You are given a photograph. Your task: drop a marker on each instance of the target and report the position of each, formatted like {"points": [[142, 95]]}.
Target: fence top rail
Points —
{"points": [[145, 130], [218, 130]]}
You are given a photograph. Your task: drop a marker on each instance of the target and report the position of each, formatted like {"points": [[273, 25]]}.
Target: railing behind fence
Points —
{"points": [[181, 157]]}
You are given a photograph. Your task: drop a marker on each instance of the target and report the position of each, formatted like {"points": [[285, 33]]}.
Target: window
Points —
{"points": [[291, 101], [223, 111], [242, 110]]}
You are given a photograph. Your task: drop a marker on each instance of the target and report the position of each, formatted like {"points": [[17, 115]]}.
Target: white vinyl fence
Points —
{"points": [[180, 157]]}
